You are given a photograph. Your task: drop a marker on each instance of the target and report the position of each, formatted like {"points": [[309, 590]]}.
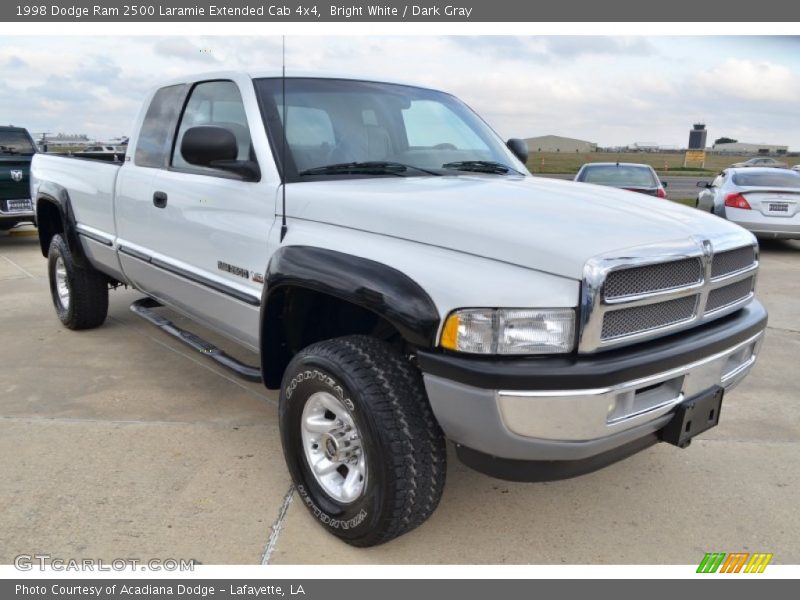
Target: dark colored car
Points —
{"points": [[16, 151], [628, 176]]}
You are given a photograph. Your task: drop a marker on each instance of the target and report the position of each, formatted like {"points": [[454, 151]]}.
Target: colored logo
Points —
{"points": [[737, 562]]}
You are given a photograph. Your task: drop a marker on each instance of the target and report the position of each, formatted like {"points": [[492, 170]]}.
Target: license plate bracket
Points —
{"points": [[694, 416]]}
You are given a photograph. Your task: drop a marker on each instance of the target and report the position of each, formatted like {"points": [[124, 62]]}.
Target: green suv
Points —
{"points": [[16, 150]]}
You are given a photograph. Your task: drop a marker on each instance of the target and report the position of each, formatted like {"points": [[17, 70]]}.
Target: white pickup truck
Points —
{"points": [[405, 280]]}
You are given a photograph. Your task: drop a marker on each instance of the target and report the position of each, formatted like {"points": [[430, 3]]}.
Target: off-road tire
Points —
{"points": [[88, 289], [405, 448]]}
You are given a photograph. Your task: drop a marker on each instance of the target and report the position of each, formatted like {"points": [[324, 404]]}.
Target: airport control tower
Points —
{"points": [[697, 137]]}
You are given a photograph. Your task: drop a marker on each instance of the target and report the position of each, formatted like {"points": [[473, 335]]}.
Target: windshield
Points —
{"points": [[15, 141], [780, 179], [339, 128], [618, 176]]}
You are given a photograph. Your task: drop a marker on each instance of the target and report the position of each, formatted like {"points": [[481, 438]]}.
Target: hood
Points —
{"points": [[549, 225]]}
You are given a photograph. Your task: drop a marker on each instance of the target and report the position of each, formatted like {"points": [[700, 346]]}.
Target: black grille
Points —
{"points": [[653, 278], [729, 294], [628, 321], [732, 261]]}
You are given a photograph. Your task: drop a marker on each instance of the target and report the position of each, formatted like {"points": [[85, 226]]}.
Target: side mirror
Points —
{"points": [[664, 184], [216, 148], [205, 145], [519, 149], [702, 184]]}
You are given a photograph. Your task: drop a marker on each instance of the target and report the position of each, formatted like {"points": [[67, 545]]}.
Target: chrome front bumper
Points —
{"points": [[578, 415], [583, 407]]}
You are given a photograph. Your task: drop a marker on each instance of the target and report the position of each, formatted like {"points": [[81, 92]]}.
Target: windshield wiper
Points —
{"points": [[480, 166], [375, 167]]}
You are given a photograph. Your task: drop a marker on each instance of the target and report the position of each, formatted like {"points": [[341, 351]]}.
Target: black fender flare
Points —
{"points": [[59, 197], [366, 283]]}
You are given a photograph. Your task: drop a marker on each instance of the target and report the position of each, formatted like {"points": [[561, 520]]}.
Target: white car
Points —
{"points": [[764, 201], [405, 281]]}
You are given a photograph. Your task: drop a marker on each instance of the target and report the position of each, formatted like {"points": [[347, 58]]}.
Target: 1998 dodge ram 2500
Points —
{"points": [[419, 285]]}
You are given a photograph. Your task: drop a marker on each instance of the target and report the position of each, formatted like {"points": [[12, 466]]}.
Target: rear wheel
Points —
{"points": [[80, 295], [364, 450]]}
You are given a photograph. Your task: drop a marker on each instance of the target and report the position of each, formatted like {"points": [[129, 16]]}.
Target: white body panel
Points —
{"points": [[548, 225]]}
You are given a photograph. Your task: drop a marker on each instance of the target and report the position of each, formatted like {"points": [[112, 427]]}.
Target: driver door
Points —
{"points": [[213, 224]]}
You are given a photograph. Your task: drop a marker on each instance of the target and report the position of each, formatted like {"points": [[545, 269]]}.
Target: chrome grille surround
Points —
{"points": [[598, 333]]}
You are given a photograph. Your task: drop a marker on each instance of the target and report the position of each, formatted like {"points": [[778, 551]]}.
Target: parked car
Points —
{"points": [[764, 201], [405, 280], [761, 162], [16, 149], [108, 153], [796, 168], [628, 176]]}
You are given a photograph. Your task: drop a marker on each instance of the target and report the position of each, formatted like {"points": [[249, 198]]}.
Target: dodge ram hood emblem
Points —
{"points": [[16, 175]]}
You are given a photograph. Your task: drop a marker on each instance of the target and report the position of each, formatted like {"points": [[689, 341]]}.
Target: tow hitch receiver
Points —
{"points": [[694, 416]]}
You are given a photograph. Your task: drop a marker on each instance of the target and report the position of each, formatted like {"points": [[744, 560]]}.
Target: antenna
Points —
{"points": [[283, 150]]}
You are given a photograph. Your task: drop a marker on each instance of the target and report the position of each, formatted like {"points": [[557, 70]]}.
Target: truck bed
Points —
{"points": [[89, 184]]}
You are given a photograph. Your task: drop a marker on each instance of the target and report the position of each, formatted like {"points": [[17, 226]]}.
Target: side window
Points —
{"points": [[429, 124], [152, 147], [214, 104]]}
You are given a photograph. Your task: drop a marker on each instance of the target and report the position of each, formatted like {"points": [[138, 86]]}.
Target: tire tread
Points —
{"points": [[417, 456]]}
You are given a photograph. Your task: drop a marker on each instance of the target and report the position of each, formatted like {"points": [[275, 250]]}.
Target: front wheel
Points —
{"points": [[364, 450]]}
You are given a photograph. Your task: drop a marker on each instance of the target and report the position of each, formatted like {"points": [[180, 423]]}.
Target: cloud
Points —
{"points": [[554, 48], [180, 47], [611, 90], [99, 70], [15, 62], [568, 47], [751, 81]]}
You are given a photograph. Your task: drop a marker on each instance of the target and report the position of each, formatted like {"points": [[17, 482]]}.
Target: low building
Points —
{"points": [[749, 148], [557, 143]]}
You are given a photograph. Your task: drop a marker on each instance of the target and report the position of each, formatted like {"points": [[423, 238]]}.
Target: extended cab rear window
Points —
{"points": [[779, 179], [155, 137], [15, 141]]}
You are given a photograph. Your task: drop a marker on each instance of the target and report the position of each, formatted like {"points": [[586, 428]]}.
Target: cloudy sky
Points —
{"points": [[610, 90]]}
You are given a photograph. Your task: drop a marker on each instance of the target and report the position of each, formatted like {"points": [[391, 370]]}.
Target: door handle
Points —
{"points": [[160, 200]]}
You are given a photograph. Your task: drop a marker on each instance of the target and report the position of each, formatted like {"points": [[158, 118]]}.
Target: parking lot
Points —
{"points": [[120, 442]]}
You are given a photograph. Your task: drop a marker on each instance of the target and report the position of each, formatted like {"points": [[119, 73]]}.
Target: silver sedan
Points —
{"points": [[765, 201]]}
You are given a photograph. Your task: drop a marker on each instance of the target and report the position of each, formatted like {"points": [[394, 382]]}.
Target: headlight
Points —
{"points": [[510, 331]]}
